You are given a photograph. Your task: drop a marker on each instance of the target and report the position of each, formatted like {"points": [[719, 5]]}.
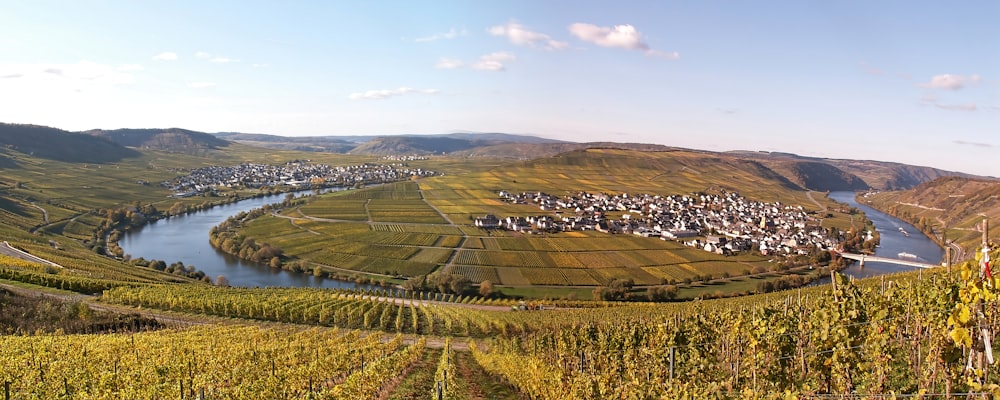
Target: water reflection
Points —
{"points": [[185, 238]]}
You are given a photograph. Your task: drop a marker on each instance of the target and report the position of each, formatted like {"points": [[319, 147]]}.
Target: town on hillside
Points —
{"points": [[292, 173], [725, 223]]}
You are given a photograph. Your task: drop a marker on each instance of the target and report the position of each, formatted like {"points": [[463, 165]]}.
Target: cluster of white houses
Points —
{"points": [[294, 173], [723, 223]]}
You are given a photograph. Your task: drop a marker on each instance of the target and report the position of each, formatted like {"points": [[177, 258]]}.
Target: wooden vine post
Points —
{"points": [[984, 345]]}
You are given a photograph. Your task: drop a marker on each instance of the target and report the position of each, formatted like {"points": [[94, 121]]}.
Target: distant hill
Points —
{"points": [[329, 144], [415, 145], [384, 145], [816, 175], [673, 171], [57, 144], [956, 203], [848, 174], [173, 139]]}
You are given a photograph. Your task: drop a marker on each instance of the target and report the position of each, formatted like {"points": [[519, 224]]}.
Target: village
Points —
{"points": [[724, 223], [294, 173]]}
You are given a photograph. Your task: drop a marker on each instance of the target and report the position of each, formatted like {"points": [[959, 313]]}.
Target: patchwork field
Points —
{"points": [[399, 230]]}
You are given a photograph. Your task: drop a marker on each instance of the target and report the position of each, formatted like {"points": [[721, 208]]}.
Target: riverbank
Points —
{"points": [[892, 241]]}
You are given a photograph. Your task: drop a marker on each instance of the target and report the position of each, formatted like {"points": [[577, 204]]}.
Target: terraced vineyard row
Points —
{"points": [[344, 309]]}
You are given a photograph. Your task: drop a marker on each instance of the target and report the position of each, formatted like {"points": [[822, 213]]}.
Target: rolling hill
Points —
{"points": [[847, 174], [662, 172], [386, 145], [329, 144], [173, 139], [57, 144]]}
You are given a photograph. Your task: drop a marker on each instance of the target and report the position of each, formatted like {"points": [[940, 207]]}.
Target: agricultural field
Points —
{"points": [[426, 226]]}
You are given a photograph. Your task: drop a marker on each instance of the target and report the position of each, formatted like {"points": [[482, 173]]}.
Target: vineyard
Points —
{"points": [[204, 362], [926, 334], [394, 230], [905, 333]]}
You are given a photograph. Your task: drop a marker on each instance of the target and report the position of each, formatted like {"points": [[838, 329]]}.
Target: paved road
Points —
{"points": [[8, 250]]}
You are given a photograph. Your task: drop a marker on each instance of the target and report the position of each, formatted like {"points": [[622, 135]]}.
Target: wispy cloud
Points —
{"points": [[520, 35], [451, 34], [387, 93], [449, 63], [494, 61], [976, 144], [951, 82], [201, 85], [203, 55], [76, 76], [957, 107], [620, 36], [166, 56]]}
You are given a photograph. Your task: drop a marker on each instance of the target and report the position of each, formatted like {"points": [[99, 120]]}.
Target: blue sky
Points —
{"points": [[907, 81]]}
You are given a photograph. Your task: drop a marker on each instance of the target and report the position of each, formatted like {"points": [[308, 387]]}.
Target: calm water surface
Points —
{"points": [[892, 242], [185, 238]]}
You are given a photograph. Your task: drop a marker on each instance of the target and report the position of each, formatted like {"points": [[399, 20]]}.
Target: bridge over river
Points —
{"points": [[866, 257]]}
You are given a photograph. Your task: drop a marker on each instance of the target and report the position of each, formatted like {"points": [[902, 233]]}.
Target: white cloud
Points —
{"points": [[621, 36], [451, 34], [386, 93], [951, 82], [201, 85], [202, 55], [521, 36], [166, 56], [129, 67], [624, 36], [449, 63], [493, 61]]}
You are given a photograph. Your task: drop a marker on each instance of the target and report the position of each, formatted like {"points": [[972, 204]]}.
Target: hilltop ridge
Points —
{"points": [[808, 173], [56, 144]]}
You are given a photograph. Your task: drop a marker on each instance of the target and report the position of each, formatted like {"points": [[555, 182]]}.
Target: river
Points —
{"points": [[185, 238], [892, 241]]}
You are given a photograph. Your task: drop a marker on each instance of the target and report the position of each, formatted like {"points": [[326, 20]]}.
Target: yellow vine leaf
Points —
{"points": [[961, 336]]}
